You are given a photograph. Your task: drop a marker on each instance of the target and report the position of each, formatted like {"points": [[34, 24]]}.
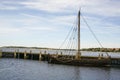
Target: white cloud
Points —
{"points": [[101, 7], [7, 7], [30, 22], [100, 25], [56, 21], [50, 5], [98, 7], [39, 28]]}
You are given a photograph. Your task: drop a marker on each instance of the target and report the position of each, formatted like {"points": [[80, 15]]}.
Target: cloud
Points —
{"points": [[95, 7], [56, 15], [103, 8], [50, 5], [56, 21], [4, 7]]}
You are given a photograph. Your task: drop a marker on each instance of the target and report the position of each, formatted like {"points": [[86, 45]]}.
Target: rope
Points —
{"points": [[67, 42], [93, 33]]}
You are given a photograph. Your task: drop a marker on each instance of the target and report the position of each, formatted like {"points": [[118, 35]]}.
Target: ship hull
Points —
{"points": [[80, 62]]}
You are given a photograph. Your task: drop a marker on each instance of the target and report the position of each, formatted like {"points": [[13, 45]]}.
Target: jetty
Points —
{"points": [[97, 61]]}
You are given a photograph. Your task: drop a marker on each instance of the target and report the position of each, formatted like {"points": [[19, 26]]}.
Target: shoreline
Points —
{"points": [[83, 49]]}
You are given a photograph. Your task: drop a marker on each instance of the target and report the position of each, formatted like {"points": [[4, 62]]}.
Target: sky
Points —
{"points": [[46, 23]]}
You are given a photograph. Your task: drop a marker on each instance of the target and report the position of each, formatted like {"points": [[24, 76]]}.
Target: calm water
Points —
{"points": [[19, 69]]}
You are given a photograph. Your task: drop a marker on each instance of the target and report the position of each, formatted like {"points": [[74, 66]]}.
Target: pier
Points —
{"points": [[25, 55], [46, 57]]}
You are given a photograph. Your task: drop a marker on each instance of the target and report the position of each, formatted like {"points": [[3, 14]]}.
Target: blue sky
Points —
{"points": [[45, 23]]}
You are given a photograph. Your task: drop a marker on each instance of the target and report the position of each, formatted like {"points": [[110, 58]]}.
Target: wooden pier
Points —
{"points": [[25, 55], [46, 57]]}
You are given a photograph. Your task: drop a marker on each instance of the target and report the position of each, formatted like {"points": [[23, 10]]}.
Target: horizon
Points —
{"points": [[39, 23], [51, 48]]}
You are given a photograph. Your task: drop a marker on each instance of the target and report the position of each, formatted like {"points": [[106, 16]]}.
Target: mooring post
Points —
{"points": [[0, 53], [18, 53], [25, 54], [40, 56], [31, 54], [45, 55], [15, 54]]}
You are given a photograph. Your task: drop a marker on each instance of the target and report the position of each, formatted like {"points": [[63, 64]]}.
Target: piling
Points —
{"points": [[40, 56], [45, 53], [18, 53], [31, 54], [15, 54], [0, 53], [25, 54]]}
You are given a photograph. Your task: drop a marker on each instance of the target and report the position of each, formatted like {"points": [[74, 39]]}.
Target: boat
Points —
{"points": [[78, 60]]}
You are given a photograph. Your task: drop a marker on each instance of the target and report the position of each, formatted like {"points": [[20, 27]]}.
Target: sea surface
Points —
{"points": [[20, 69]]}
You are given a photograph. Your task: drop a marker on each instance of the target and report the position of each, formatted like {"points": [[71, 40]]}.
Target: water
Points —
{"points": [[19, 69]]}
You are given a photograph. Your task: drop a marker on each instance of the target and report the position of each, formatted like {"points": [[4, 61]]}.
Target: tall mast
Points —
{"points": [[78, 53]]}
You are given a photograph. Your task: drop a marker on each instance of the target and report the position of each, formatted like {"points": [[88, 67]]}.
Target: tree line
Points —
{"points": [[102, 49]]}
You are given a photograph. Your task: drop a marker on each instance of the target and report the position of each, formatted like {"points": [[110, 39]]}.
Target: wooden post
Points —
{"points": [[40, 56], [15, 54], [25, 55], [45, 55], [18, 53], [0, 53], [31, 54]]}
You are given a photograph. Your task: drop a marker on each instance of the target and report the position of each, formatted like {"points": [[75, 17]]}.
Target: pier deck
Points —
{"points": [[46, 57]]}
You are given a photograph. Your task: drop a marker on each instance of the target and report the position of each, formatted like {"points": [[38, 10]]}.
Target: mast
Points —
{"points": [[78, 53]]}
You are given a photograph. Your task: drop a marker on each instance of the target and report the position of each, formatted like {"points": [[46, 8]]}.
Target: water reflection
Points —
{"points": [[77, 74], [91, 73], [14, 69]]}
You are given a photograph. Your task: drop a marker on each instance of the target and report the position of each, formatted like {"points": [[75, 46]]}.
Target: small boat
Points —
{"points": [[79, 60]]}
